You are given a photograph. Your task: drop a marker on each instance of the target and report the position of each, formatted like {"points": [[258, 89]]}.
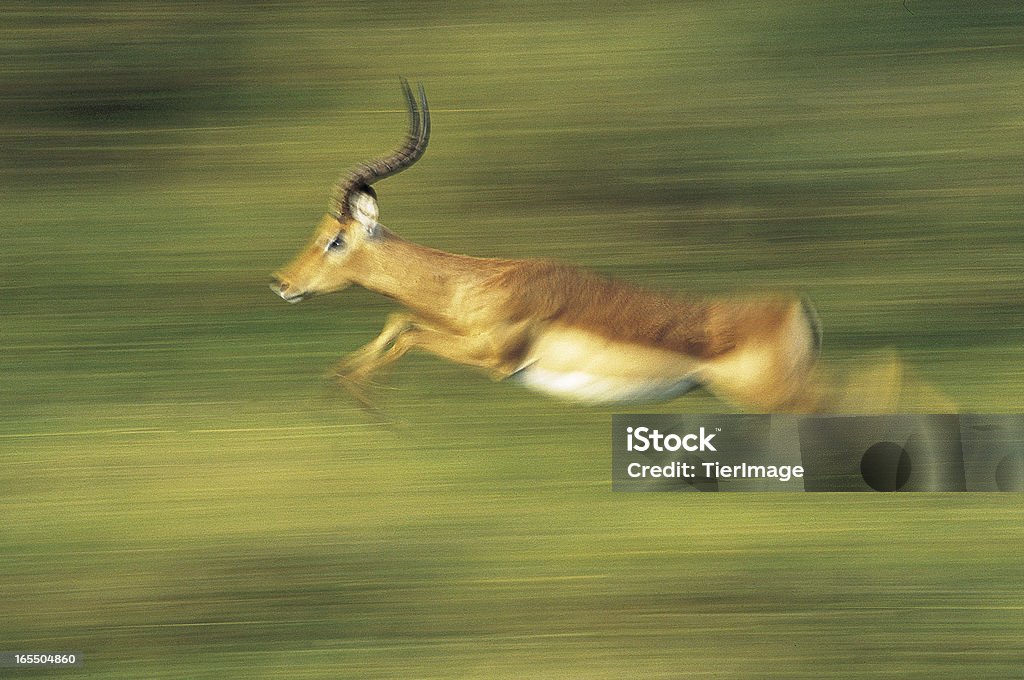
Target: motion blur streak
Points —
{"points": [[184, 496]]}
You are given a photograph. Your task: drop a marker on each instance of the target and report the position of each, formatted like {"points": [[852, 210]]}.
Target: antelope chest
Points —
{"points": [[580, 365]]}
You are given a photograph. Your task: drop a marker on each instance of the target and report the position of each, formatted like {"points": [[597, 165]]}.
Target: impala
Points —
{"points": [[547, 325]]}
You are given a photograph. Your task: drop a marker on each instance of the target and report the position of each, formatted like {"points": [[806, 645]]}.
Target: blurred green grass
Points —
{"points": [[182, 493]]}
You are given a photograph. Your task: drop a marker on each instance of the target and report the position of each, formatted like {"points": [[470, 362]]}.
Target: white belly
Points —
{"points": [[573, 364]]}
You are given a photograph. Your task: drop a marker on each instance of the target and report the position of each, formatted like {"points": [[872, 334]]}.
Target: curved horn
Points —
{"points": [[366, 174]]}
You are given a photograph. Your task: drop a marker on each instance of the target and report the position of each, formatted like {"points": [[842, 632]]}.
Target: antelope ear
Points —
{"points": [[365, 210]]}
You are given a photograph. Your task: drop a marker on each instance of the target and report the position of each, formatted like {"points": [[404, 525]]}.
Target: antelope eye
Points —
{"points": [[336, 243]]}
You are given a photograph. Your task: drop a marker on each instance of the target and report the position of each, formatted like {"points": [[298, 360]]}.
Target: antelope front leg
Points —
{"points": [[485, 351], [353, 371], [367, 359], [403, 332]]}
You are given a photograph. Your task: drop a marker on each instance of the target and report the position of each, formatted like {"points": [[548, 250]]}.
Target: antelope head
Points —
{"points": [[350, 228]]}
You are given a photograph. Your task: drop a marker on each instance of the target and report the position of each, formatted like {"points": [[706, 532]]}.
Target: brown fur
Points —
{"points": [[552, 291], [497, 314]]}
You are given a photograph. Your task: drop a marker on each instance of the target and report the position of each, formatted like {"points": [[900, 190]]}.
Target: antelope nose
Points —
{"points": [[284, 289]]}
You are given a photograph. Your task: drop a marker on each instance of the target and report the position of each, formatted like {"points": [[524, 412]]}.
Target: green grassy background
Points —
{"points": [[182, 494]]}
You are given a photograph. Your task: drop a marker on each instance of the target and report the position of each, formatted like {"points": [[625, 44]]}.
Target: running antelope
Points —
{"points": [[544, 324]]}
